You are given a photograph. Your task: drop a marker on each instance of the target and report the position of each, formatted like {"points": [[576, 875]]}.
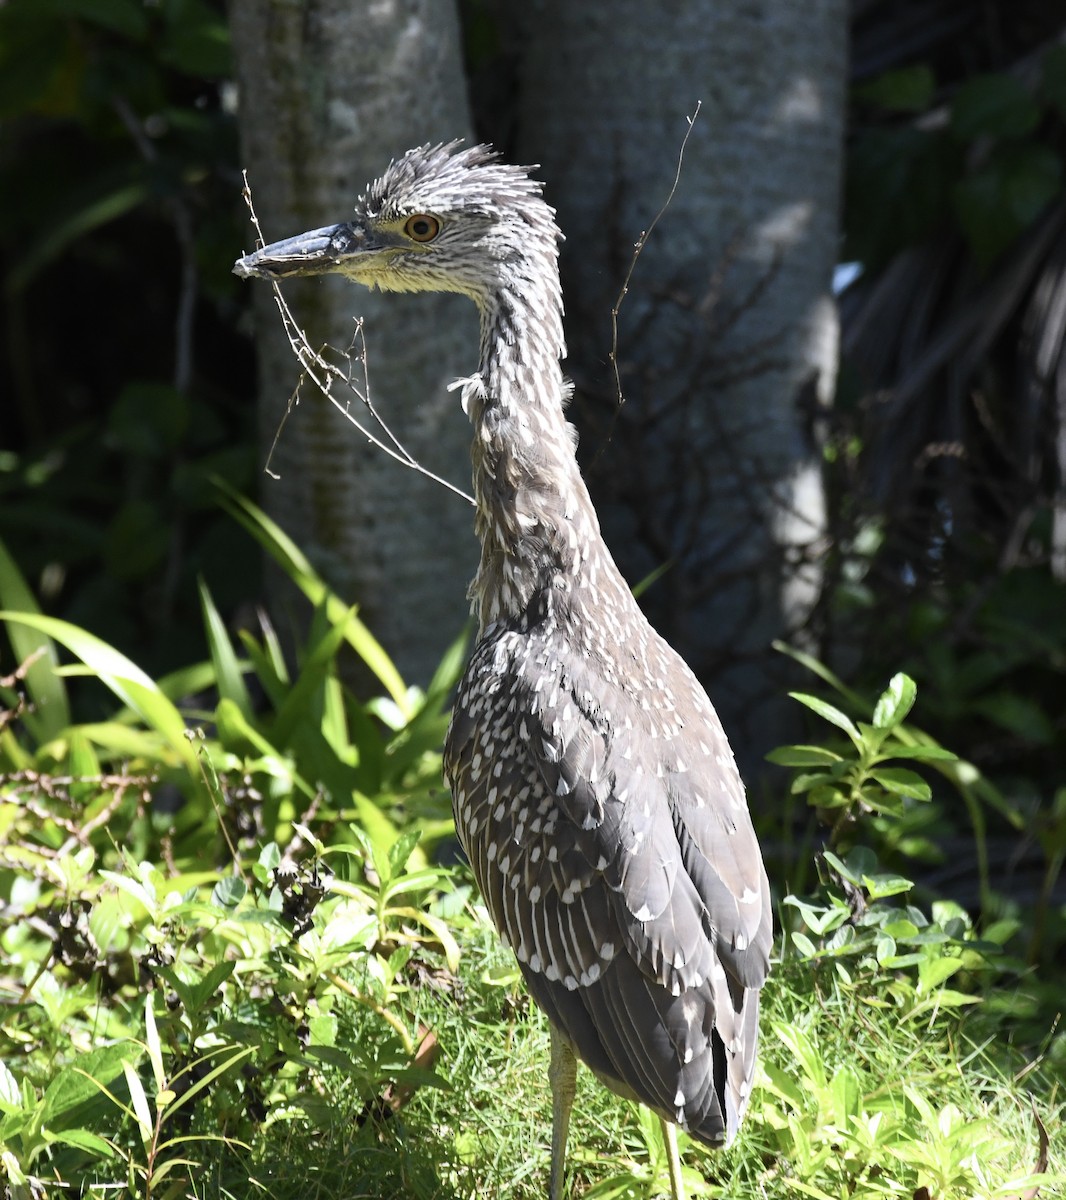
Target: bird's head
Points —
{"points": [[440, 219]]}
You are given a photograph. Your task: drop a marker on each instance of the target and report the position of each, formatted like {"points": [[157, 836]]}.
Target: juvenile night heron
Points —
{"points": [[593, 786]]}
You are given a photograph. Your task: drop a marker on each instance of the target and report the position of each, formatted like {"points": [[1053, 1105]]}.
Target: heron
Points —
{"points": [[594, 789]]}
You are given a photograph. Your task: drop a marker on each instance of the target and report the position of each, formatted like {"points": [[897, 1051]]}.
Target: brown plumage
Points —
{"points": [[594, 789]]}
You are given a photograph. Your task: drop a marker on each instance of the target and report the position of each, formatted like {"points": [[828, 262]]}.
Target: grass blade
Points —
{"points": [[122, 676], [296, 566], [46, 689], [229, 676]]}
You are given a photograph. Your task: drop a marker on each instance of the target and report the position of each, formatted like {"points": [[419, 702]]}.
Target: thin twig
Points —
{"points": [[322, 373], [638, 248]]}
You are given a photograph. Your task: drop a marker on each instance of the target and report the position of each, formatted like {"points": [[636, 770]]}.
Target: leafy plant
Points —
{"points": [[220, 883], [989, 166], [869, 1124], [117, 168]]}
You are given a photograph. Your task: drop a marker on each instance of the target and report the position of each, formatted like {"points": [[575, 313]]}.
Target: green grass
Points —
{"points": [[855, 1099]]}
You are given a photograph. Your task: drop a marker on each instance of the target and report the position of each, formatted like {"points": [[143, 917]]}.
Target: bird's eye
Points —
{"points": [[421, 227]]}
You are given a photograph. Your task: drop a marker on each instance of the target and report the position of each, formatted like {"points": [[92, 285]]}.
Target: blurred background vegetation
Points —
{"points": [[126, 366]]}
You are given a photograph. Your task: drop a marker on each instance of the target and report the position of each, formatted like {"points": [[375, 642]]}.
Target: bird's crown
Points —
{"points": [[448, 178]]}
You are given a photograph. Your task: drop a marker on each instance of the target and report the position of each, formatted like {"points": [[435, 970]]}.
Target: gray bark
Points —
{"points": [[728, 336], [329, 92]]}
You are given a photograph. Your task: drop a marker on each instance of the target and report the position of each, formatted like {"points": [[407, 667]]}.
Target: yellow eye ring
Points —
{"points": [[421, 227]]}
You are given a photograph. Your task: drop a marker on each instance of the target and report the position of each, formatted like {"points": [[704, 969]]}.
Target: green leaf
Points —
{"points": [[902, 782], [802, 756], [204, 989], [305, 698], [818, 779], [993, 105], [270, 856], [46, 689], [229, 891], [187, 681], [121, 740], [229, 676], [828, 797], [860, 862], [380, 830], [153, 1044], [847, 1096], [197, 40], [76, 1084], [884, 883], [141, 891], [274, 682], [901, 929], [819, 919], [400, 851], [804, 944], [933, 971], [922, 751], [132, 686], [82, 1139], [449, 669], [842, 940], [10, 1096], [139, 1100], [896, 702], [451, 903], [653, 576], [944, 998], [781, 1084], [804, 1052], [1001, 199], [816, 667], [323, 1029], [828, 713]]}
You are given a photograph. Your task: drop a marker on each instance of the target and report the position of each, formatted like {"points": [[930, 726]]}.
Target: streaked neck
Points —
{"points": [[534, 516]]}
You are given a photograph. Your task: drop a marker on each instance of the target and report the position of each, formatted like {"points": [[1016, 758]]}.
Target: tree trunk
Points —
{"points": [[728, 336], [330, 91]]}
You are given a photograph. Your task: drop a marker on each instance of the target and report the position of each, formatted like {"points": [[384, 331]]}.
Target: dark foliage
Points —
{"points": [[126, 378]]}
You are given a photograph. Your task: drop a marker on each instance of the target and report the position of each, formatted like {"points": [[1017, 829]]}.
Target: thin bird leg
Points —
{"points": [[562, 1075], [673, 1160]]}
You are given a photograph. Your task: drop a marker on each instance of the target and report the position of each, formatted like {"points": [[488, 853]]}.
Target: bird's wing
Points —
{"points": [[656, 806], [606, 823], [630, 889]]}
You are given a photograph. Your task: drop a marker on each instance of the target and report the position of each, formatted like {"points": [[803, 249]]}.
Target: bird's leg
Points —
{"points": [[673, 1160], [562, 1075]]}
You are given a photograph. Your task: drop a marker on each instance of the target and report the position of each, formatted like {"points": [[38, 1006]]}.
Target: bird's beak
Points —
{"points": [[317, 252]]}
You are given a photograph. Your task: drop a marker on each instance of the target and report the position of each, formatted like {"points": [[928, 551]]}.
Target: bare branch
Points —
{"points": [[324, 375], [638, 248]]}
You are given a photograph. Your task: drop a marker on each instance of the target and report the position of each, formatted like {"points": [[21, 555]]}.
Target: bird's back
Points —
{"points": [[604, 818]]}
